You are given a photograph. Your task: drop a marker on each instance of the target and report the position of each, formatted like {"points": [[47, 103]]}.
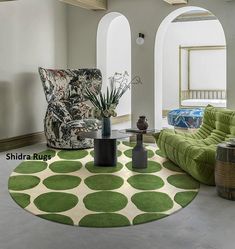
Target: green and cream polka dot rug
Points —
{"points": [[68, 189]]}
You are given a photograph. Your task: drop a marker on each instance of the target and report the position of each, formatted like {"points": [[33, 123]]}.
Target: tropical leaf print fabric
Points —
{"points": [[68, 113]]}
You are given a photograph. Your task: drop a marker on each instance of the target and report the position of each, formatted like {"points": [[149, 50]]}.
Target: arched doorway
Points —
{"points": [[114, 53], [160, 66]]}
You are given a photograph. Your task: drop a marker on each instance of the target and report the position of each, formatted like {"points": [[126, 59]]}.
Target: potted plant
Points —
{"points": [[106, 103]]}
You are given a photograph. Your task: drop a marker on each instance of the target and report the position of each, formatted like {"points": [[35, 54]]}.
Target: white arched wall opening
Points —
{"points": [[114, 53], [159, 54]]}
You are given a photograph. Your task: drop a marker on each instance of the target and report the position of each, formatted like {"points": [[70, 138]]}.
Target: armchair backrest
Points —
{"points": [[218, 122], [69, 85]]}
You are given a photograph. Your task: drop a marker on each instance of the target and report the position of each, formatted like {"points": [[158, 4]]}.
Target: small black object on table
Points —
{"points": [[105, 148], [139, 153]]}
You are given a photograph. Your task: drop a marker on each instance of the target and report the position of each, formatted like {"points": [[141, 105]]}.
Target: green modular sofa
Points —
{"points": [[196, 153]]}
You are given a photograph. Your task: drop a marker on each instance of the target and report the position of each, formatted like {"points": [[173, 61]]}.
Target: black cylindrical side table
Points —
{"points": [[105, 152], [225, 171]]}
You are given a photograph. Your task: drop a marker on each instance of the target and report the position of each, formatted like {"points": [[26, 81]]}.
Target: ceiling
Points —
{"points": [[195, 15]]}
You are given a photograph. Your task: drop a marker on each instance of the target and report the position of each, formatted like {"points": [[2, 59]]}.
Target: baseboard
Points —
{"points": [[146, 139], [165, 113], [39, 137], [121, 119], [21, 141]]}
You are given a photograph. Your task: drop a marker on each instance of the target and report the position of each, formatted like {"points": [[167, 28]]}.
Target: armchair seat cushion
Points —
{"points": [[84, 125], [66, 135]]}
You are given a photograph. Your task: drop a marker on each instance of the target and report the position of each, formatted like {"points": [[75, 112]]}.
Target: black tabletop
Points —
{"points": [[98, 135], [137, 131]]}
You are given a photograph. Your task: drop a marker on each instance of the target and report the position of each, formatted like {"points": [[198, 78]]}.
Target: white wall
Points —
{"points": [[119, 57], [33, 34], [213, 69], [82, 45]]}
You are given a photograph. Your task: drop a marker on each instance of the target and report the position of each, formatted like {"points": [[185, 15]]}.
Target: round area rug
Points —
{"points": [[68, 188]]}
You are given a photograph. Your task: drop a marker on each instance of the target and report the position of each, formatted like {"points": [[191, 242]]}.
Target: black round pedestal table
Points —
{"points": [[105, 148]]}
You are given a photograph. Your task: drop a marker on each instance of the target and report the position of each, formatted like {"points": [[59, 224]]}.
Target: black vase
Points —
{"points": [[106, 127], [142, 123]]}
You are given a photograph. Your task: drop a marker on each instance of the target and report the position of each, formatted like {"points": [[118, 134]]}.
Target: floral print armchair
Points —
{"points": [[68, 113]]}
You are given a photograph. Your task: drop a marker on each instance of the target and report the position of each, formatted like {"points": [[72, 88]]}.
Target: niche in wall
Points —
{"points": [[114, 53]]}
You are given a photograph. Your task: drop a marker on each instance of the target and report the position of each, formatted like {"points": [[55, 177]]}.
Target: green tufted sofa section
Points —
{"points": [[195, 153]]}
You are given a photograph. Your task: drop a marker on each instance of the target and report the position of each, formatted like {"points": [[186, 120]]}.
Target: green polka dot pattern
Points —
{"points": [[72, 155], [152, 201], [69, 189], [184, 198], [22, 199], [93, 169], [104, 182], [55, 202], [65, 166], [104, 220], [146, 182], [143, 218], [128, 153], [171, 166], [152, 167], [23, 182], [47, 153], [31, 167], [105, 201], [183, 181], [57, 218], [61, 182]]}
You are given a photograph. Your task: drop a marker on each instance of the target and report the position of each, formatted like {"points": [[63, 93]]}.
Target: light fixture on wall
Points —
{"points": [[140, 39]]}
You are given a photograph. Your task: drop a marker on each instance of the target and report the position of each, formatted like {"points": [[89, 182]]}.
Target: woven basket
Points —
{"points": [[225, 172]]}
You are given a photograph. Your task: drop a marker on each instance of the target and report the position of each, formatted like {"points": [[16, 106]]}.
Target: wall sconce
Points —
{"points": [[140, 39]]}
